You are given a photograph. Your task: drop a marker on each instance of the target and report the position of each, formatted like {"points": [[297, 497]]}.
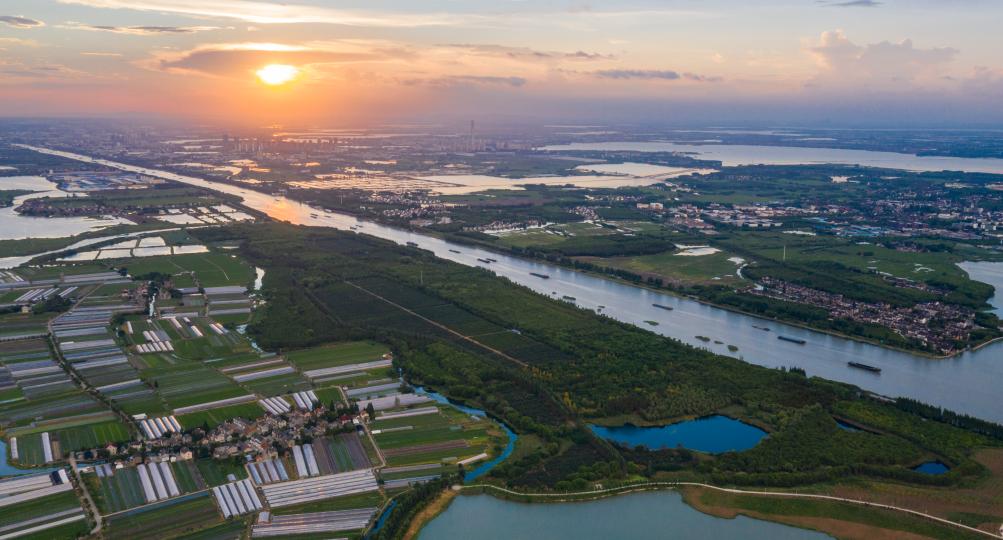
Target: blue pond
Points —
{"points": [[931, 467], [711, 434]]}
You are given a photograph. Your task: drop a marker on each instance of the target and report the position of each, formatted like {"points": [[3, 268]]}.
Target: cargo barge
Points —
{"points": [[792, 340]]}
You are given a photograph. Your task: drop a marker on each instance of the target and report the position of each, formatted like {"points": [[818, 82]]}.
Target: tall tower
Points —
{"points": [[472, 136]]}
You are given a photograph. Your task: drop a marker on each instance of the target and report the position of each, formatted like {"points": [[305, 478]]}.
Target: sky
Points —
{"points": [[828, 62]]}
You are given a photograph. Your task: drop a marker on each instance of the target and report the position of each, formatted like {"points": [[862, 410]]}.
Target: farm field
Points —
{"points": [[118, 492], [214, 471], [191, 384], [213, 269], [215, 417], [170, 519], [349, 502], [46, 509], [673, 267], [443, 436], [337, 354], [36, 388]]}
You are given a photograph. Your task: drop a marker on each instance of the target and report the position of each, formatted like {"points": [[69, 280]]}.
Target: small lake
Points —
{"points": [[932, 467], [712, 435], [661, 514]]}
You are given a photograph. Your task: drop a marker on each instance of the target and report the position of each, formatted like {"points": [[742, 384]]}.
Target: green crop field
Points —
{"points": [[118, 492], [713, 268], [42, 506], [90, 436], [191, 384], [211, 269], [214, 471], [215, 417], [170, 519], [337, 354], [187, 476], [278, 385], [29, 449]]}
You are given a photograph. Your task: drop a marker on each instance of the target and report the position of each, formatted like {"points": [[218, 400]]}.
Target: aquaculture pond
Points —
{"points": [[711, 434], [932, 467]]}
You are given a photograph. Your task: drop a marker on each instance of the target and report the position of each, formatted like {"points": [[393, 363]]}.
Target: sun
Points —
{"points": [[277, 74]]}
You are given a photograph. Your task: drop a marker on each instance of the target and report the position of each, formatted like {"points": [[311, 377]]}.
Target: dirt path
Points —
{"points": [[443, 327], [98, 522]]}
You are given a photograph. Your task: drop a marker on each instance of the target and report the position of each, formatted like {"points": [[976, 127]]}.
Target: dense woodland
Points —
{"points": [[546, 368]]}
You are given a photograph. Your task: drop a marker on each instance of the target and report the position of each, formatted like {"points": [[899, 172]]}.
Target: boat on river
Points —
{"points": [[666, 308], [544, 276], [792, 340], [412, 244], [865, 367], [453, 251], [485, 261]]}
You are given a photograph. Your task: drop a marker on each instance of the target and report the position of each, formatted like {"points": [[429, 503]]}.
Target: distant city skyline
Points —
{"points": [[839, 62]]}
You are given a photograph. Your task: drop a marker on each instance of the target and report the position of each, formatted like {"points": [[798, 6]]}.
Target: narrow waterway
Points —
{"points": [[968, 383]]}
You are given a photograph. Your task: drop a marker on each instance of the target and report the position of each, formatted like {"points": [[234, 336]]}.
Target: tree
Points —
{"points": [[370, 410]]}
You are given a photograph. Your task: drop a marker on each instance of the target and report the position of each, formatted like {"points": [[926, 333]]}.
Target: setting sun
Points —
{"points": [[276, 74]]}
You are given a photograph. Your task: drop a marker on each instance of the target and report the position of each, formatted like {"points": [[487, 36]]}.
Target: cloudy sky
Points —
{"points": [[894, 62]]}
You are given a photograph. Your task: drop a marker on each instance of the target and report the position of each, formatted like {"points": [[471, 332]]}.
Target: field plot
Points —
{"points": [[314, 523], [215, 472], [174, 518], [66, 438], [23, 325], [115, 490], [673, 267], [215, 417], [192, 384], [267, 377], [213, 269], [433, 435], [42, 505], [318, 488], [338, 354]]}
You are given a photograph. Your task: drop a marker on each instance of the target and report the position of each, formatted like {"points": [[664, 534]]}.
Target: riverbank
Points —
{"points": [[856, 518], [725, 307], [430, 512]]}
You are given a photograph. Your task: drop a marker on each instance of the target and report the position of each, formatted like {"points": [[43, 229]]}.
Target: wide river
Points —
{"points": [[968, 383], [731, 155]]}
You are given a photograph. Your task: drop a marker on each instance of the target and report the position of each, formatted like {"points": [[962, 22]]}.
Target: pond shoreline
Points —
{"points": [[599, 494]]}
